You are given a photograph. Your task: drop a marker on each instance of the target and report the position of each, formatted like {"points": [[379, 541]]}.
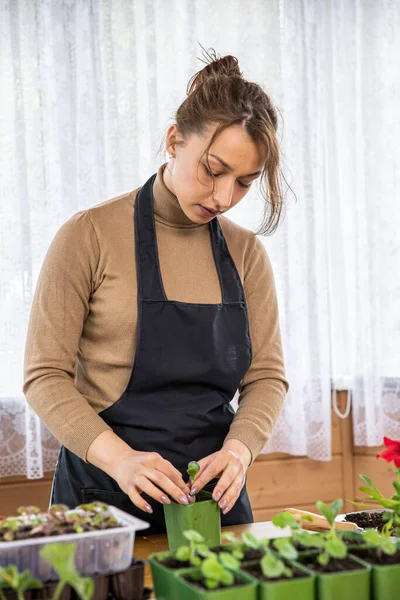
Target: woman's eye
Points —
{"points": [[244, 185], [209, 173]]}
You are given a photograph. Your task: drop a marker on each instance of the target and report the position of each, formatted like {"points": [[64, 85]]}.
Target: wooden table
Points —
{"points": [[144, 546]]}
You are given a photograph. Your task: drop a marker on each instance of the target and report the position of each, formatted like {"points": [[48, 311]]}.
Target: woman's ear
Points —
{"points": [[172, 138]]}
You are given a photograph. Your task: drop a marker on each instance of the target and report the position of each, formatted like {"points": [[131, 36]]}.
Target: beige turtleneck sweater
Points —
{"points": [[82, 332]]}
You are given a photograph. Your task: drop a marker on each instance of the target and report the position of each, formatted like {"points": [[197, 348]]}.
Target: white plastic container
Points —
{"points": [[97, 552]]}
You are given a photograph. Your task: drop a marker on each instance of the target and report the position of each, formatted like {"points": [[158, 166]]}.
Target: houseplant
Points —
{"points": [[383, 555], [280, 581], [217, 578], [165, 565], [338, 574], [390, 515], [202, 516]]}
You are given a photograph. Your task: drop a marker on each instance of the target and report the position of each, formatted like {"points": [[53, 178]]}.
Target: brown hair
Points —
{"points": [[218, 93]]}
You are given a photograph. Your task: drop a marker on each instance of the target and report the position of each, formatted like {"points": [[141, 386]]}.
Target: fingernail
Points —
{"points": [[183, 500], [216, 496], [148, 508], [225, 510], [165, 500], [191, 499], [223, 504], [194, 491]]}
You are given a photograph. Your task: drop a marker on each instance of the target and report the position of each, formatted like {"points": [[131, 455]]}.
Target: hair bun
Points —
{"points": [[216, 66]]}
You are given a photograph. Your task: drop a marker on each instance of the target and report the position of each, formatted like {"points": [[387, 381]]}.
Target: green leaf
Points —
{"points": [[228, 561], [285, 548], [211, 568], [250, 540], [368, 481], [271, 566], [227, 578], [336, 548], [323, 558], [84, 587], [196, 561], [310, 540], [211, 584], [237, 554], [61, 558], [371, 536], [396, 486], [388, 547], [229, 536], [288, 572], [284, 519], [306, 518], [203, 550], [193, 536], [325, 510], [192, 470], [371, 493], [182, 553], [335, 507]]}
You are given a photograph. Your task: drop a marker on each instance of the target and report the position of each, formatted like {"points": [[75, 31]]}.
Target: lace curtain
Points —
{"points": [[88, 90]]}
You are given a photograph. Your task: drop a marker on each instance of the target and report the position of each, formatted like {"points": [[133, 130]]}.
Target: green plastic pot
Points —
{"points": [[203, 516], [164, 579], [385, 580], [345, 585], [287, 589], [187, 591]]}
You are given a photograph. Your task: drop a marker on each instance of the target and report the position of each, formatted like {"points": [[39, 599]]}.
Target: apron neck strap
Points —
{"points": [[150, 285]]}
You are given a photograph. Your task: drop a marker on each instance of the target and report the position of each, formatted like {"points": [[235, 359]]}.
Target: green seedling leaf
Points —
{"points": [[211, 568], [203, 550], [284, 519], [336, 548], [230, 537], [193, 536], [310, 540], [368, 481], [250, 540], [228, 561], [325, 510], [211, 583], [335, 507], [306, 518], [227, 578], [288, 572], [193, 469], [372, 537], [388, 547], [271, 566], [285, 548], [62, 558], [196, 561], [182, 553], [238, 553], [323, 558]]}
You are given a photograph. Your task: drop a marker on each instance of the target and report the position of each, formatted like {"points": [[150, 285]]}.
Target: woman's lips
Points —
{"points": [[207, 212]]}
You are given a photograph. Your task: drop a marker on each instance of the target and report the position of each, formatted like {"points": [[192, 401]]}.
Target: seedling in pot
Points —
{"points": [[62, 558], [194, 551], [19, 582], [192, 470], [301, 538], [216, 571], [273, 567], [333, 546], [380, 542]]}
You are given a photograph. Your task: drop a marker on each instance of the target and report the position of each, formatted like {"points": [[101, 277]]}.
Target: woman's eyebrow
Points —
{"points": [[229, 168]]}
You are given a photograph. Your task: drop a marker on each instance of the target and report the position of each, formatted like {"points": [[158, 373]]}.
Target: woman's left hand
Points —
{"points": [[230, 465]]}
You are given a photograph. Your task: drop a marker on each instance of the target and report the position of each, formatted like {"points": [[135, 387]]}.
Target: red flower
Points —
{"points": [[391, 451]]}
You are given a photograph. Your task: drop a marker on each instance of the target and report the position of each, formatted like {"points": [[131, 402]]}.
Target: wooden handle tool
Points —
{"points": [[318, 523]]}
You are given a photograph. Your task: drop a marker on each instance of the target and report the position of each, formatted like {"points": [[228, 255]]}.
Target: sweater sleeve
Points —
{"points": [[263, 389], [60, 307]]}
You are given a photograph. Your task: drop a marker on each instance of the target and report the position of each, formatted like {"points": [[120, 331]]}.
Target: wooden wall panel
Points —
{"points": [[293, 481], [18, 491]]}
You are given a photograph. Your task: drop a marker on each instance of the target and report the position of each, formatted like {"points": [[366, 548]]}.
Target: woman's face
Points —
{"points": [[234, 160]]}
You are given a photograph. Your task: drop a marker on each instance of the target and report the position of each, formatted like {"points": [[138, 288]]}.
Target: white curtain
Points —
{"points": [[87, 89]]}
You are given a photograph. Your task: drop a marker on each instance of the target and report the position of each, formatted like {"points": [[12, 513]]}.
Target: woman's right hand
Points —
{"points": [[137, 472], [150, 473]]}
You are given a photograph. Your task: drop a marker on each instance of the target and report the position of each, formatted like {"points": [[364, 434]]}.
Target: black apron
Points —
{"points": [[190, 359]]}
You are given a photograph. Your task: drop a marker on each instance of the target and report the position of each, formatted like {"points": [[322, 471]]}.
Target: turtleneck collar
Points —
{"points": [[167, 209]]}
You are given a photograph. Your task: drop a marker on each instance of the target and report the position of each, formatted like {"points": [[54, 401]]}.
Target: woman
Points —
{"points": [[152, 309]]}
